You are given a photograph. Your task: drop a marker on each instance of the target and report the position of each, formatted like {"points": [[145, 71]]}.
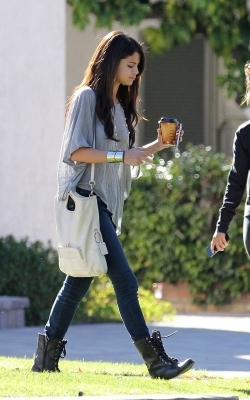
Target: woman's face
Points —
{"points": [[128, 69]]}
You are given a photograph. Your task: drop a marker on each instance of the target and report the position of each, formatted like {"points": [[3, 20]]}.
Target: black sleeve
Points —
{"points": [[236, 183]]}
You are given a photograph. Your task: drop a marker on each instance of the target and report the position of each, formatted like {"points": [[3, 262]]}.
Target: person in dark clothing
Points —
{"points": [[238, 181]]}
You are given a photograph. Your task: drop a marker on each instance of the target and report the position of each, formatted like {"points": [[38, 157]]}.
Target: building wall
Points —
{"points": [[174, 88], [80, 46], [181, 83], [230, 117], [222, 115], [43, 57], [32, 70]]}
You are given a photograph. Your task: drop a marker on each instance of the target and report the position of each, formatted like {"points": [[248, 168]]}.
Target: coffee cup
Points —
{"points": [[170, 130]]}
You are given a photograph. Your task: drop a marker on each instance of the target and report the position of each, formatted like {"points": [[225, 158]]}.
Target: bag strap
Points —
{"points": [[92, 172]]}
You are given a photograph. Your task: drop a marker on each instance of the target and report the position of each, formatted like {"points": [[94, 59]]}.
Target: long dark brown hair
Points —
{"points": [[100, 76]]}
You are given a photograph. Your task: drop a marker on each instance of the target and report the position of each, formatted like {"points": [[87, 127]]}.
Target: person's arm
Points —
{"points": [[134, 156], [236, 184], [157, 145], [153, 147], [89, 155]]}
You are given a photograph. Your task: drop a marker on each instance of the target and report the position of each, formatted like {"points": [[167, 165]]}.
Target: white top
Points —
{"points": [[112, 180]]}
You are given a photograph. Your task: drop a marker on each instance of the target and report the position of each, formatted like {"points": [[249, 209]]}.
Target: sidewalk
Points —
{"points": [[217, 343]]}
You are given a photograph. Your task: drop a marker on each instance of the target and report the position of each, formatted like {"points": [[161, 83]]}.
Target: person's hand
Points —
{"points": [[137, 156], [159, 138], [181, 136], [219, 242]]}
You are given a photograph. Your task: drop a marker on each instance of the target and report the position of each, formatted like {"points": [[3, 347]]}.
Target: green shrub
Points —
{"points": [[169, 219], [100, 304], [30, 270]]}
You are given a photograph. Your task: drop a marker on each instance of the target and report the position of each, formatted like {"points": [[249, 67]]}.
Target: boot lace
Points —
{"points": [[60, 351], [158, 345]]}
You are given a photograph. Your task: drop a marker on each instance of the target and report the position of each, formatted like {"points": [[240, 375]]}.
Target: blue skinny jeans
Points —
{"points": [[123, 280]]}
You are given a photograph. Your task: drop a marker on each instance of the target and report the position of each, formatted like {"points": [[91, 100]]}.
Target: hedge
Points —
{"points": [[31, 270], [169, 219]]}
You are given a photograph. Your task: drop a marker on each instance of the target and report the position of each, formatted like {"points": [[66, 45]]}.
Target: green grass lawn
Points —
{"points": [[100, 379]]}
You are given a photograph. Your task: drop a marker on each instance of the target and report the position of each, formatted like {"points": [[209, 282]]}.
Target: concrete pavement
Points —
{"points": [[218, 343]]}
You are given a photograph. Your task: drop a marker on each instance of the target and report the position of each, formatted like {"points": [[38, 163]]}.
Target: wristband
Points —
{"points": [[111, 157], [119, 156], [115, 156]]}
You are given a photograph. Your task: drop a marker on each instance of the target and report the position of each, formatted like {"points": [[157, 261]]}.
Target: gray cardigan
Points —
{"points": [[112, 181]]}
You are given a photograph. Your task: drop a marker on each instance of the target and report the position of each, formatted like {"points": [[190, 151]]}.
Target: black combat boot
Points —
{"points": [[48, 353], [159, 364]]}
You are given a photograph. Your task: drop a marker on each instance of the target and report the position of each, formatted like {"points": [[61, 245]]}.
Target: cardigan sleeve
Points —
{"points": [[78, 132], [79, 126]]}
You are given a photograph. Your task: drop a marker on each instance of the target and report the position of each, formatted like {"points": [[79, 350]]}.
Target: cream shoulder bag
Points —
{"points": [[81, 249]]}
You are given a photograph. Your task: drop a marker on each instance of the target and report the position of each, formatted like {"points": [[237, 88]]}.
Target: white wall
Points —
{"points": [[32, 70], [42, 58]]}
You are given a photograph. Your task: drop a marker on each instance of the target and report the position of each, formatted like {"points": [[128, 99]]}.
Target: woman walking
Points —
{"points": [[105, 103]]}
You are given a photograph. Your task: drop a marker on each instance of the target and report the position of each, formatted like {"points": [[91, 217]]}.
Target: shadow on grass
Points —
{"points": [[243, 391]]}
